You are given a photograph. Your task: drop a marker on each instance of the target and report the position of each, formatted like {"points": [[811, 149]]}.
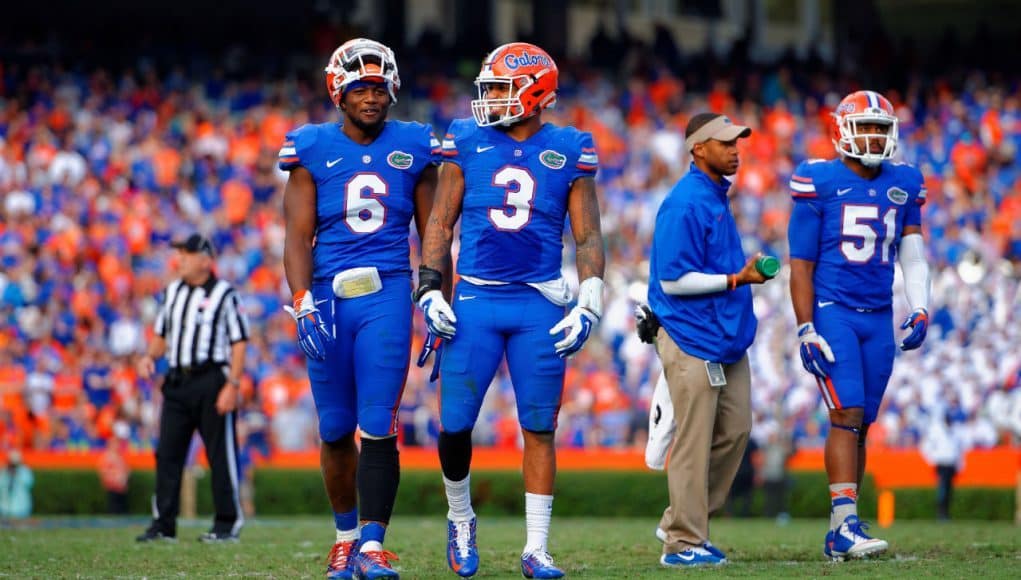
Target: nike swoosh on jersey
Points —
{"points": [[843, 191], [462, 298], [318, 302], [824, 304], [481, 149], [330, 164]]}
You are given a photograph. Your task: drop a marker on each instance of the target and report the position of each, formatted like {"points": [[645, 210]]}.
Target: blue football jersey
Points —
{"points": [[515, 198], [365, 194], [851, 227]]}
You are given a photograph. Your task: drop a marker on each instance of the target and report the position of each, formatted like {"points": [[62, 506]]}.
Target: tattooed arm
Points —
{"points": [[583, 207]]}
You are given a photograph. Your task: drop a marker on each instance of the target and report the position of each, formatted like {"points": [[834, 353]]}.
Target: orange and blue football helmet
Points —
{"points": [[864, 108], [361, 59], [530, 77]]}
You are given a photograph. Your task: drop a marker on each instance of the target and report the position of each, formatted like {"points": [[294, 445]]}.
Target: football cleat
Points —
{"points": [[707, 546], [689, 558], [154, 534], [539, 565], [850, 540], [374, 564], [827, 547], [338, 563], [462, 551], [212, 537]]}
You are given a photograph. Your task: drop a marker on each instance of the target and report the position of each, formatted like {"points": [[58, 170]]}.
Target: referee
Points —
{"points": [[202, 332]]}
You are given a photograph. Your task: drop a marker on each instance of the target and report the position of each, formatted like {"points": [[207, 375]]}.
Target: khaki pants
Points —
{"points": [[712, 431]]}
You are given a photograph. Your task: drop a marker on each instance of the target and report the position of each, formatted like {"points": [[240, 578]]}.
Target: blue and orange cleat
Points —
{"points": [[462, 551], [850, 540], [338, 563], [374, 564], [539, 565]]}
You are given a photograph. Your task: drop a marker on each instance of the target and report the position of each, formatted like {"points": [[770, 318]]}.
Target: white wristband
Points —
{"points": [[590, 296]]}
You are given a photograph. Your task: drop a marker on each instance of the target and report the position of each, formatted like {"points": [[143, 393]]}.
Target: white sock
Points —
{"points": [[538, 509], [843, 503], [372, 546], [459, 499], [347, 535]]}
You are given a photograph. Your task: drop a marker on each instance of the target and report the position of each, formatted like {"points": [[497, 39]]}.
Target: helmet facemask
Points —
{"points": [[503, 111], [847, 144], [362, 59]]}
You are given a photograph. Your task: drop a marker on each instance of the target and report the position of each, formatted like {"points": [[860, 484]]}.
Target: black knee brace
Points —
{"points": [[862, 433], [455, 454], [379, 474], [855, 430]]}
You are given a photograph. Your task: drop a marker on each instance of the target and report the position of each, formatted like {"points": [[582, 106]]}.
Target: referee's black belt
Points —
{"points": [[193, 370]]}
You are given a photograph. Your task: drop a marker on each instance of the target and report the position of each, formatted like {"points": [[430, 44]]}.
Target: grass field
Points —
{"points": [[585, 547]]}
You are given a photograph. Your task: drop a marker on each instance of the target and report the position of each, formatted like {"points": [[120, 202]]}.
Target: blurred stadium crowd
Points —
{"points": [[100, 170]]}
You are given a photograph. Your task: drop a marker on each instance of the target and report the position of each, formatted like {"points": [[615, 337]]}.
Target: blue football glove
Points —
{"points": [[578, 323], [816, 354], [918, 322], [313, 337], [432, 344], [439, 317]]}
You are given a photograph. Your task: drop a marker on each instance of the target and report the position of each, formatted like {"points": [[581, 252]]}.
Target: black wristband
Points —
{"points": [[428, 279]]}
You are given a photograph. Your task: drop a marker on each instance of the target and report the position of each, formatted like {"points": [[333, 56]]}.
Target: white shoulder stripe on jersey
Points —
{"points": [[449, 144], [288, 151], [434, 142], [589, 158], [802, 187]]}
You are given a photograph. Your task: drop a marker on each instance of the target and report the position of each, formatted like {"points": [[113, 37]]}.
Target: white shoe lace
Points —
{"points": [[544, 558], [462, 536]]}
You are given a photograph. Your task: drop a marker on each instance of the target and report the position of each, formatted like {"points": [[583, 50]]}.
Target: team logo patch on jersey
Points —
{"points": [[552, 159], [400, 160], [897, 195]]}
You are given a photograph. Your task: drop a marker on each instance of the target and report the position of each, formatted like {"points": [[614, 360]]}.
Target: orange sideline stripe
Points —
{"points": [[891, 468]]}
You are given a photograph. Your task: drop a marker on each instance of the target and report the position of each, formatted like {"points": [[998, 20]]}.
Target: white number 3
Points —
{"points": [[516, 212]]}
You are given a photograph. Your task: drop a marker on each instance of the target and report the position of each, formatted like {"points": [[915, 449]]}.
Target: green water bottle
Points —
{"points": [[768, 266]]}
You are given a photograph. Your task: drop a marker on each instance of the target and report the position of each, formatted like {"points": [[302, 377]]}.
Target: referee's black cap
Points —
{"points": [[194, 244]]}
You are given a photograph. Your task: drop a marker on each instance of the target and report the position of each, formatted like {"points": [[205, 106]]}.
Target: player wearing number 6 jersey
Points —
{"points": [[852, 218], [352, 192], [512, 180]]}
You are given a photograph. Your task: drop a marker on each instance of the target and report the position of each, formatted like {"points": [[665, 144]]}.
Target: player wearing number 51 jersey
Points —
{"points": [[352, 192], [852, 218], [512, 180]]}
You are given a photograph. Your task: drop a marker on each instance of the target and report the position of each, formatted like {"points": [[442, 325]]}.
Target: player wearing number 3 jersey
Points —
{"points": [[512, 180], [852, 218], [352, 192]]}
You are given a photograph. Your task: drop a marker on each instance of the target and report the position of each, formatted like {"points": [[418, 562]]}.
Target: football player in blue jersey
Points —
{"points": [[852, 217], [512, 180], [352, 192]]}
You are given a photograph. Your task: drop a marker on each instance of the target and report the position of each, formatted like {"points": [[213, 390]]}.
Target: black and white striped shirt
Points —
{"points": [[200, 323]]}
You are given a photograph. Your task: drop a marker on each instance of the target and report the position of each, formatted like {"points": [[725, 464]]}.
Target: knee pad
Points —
{"points": [[379, 474], [335, 424], [455, 454]]}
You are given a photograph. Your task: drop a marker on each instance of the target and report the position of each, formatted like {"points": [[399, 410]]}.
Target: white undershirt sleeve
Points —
{"points": [[694, 283], [916, 271]]}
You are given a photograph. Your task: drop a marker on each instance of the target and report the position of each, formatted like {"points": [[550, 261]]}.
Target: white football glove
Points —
{"points": [[439, 317], [580, 321]]}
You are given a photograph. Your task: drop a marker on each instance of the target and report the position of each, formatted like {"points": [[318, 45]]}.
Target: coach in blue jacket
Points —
{"points": [[698, 289]]}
